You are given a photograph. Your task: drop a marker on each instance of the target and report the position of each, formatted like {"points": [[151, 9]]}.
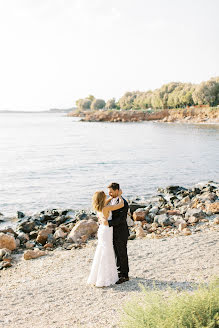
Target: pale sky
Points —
{"points": [[56, 51]]}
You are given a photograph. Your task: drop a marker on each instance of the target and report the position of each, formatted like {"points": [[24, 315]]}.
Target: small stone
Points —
{"points": [[198, 213], [193, 219], [84, 238], [42, 235], [64, 228], [182, 226], [185, 200], [10, 230], [140, 233], [186, 232], [51, 226], [30, 244], [48, 245], [27, 226], [216, 220], [130, 222], [173, 212], [20, 215], [33, 234], [4, 252], [23, 237], [132, 236], [213, 208], [18, 242], [33, 254], [162, 220], [151, 235], [139, 216], [59, 234], [154, 226], [5, 264], [154, 210]]}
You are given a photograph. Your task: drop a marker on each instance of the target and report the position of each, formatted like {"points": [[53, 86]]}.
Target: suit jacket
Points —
{"points": [[119, 223]]}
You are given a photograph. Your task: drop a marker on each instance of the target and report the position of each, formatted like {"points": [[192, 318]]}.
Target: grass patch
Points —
{"points": [[171, 309]]}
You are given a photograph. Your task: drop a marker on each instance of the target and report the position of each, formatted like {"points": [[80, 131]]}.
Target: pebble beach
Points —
{"points": [[51, 291]]}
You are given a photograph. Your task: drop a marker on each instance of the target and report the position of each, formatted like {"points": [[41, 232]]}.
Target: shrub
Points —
{"points": [[152, 309]]}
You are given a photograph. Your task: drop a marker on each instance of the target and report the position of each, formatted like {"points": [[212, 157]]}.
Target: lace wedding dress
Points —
{"points": [[104, 271]]}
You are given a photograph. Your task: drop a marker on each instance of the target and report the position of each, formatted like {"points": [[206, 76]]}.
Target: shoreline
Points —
{"points": [[187, 115], [174, 211]]}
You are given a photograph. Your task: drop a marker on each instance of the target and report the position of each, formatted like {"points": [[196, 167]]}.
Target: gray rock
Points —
{"points": [[149, 218], [4, 253], [133, 206], [20, 215], [33, 234], [162, 220], [26, 226], [154, 210], [198, 213], [10, 230], [60, 219], [132, 236], [23, 237], [50, 238]]}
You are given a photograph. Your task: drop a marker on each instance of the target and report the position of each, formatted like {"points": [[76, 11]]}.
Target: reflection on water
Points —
{"points": [[49, 160]]}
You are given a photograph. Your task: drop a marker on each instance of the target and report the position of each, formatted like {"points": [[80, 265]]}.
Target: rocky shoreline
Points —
{"points": [[187, 115], [173, 212]]}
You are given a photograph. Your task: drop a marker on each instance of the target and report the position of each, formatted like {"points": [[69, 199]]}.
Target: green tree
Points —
{"points": [[83, 104], [98, 104], [111, 103], [90, 97]]}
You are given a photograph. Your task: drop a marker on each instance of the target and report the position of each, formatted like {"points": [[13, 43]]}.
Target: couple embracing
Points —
{"points": [[110, 263]]}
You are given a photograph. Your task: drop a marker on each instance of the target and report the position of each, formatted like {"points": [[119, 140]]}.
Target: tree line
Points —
{"points": [[171, 95]]}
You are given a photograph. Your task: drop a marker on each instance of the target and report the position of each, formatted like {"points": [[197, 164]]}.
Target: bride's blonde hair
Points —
{"points": [[98, 200]]}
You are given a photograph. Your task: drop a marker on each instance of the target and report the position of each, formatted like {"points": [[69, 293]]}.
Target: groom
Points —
{"points": [[120, 232]]}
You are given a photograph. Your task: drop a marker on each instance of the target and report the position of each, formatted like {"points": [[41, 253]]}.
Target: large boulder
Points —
{"points": [[82, 228], [7, 241]]}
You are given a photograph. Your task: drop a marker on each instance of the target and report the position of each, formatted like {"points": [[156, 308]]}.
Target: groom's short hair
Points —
{"points": [[114, 186]]}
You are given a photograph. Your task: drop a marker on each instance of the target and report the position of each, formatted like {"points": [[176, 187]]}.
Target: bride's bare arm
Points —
{"points": [[117, 206], [108, 200]]}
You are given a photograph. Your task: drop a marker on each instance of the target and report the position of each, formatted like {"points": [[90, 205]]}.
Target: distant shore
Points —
{"points": [[187, 115]]}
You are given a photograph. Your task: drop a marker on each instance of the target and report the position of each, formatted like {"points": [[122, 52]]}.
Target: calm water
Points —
{"points": [[50, 161]]}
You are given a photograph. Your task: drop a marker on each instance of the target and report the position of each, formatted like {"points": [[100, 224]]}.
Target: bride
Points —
{"points": [[104, 270]]}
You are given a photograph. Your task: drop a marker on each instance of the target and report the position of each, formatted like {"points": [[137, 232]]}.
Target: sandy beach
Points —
{"points": [[51, 291]]}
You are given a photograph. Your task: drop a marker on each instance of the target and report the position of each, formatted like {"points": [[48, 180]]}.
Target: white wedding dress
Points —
{"points": [[104, 270]]}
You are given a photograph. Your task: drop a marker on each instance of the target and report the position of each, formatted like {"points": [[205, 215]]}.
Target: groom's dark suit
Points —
{"points": [[120, 238]]}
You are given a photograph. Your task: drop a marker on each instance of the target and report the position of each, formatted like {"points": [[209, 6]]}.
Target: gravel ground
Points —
{"points": [[51, 291]]}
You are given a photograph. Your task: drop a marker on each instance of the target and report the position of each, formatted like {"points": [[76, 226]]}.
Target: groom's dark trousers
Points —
{"points": [[120, 238]]}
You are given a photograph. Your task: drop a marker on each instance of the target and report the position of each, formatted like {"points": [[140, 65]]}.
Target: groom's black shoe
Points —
{"points": [[122, 279]]}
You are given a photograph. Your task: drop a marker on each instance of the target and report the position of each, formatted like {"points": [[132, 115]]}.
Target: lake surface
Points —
{"points": [[55, 161]]}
